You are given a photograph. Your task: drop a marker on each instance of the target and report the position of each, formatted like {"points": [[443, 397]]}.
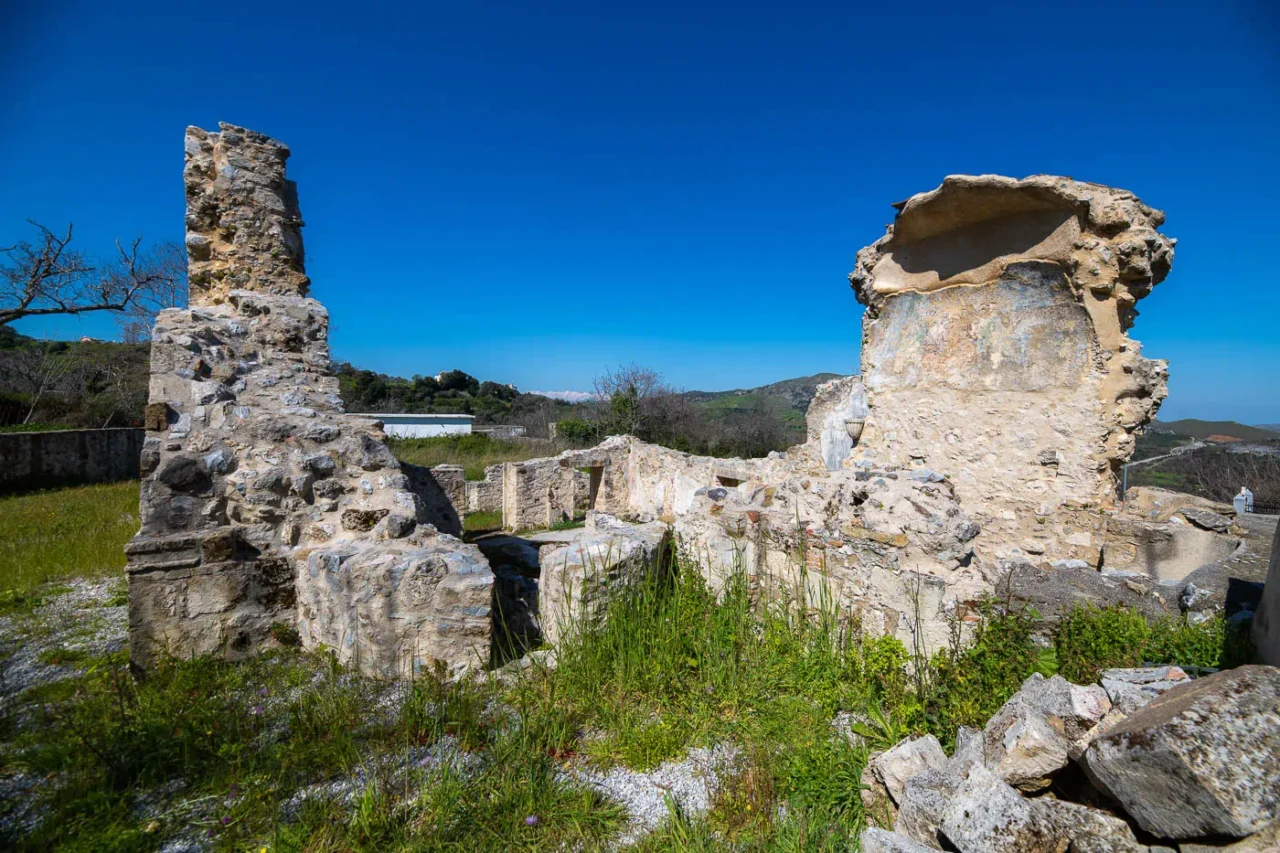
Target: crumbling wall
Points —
{"points": [[994, 348], [542, 492], [251, 468], [1000, 394], [1266, 624], [485, 495]]}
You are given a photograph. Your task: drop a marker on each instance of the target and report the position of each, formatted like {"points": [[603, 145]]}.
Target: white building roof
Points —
{"points": [[399, 416]]}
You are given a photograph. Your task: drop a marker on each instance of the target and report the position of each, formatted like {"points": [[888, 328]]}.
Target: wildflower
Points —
{"points": [[424, 761], [262, 692], [531, 820], [256, 710], [226, 819]]}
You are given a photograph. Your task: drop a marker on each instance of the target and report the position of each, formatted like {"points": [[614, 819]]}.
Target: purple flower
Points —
{"points": [[424, 761], [262, 692], [531, 820], [226, 819], [209, 833], [256, 710]]}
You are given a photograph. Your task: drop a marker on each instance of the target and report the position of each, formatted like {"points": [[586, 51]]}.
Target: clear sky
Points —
{"points": [[533, 191]]}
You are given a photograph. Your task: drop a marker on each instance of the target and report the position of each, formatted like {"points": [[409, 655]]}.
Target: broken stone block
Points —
{"points": [[970, 750], [579, 580], [1023, 746], [986, 815], [905, 760], [1202, 759], [398, 611], [876, 840], [1265, 841], [1086, 828], [924, 804], [1206, 519], [1078, 708], [1080, 745], [1130, 689]]}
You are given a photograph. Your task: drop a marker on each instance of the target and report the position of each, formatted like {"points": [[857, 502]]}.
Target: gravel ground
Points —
{"points": [[78, 620], [81, 621], [690, 782]]}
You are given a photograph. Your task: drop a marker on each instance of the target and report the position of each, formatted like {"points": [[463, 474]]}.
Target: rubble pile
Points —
{"points": [[1147, 760]]}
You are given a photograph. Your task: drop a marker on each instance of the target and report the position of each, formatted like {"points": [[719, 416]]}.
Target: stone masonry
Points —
{"points": [[265, 508], [978, 451]]}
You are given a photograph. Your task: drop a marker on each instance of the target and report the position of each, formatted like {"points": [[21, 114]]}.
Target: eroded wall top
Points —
{"points": [[969, 229], [244, 229], [994, 344]]}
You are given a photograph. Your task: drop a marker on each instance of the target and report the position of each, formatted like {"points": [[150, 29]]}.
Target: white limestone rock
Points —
{"points": [[1202, 759]]}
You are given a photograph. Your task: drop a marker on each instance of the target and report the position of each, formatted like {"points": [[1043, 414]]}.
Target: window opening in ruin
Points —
{"points": [[728, 482], [596, 472]]}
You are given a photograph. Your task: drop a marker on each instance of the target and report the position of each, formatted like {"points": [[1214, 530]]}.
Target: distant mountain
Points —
{"points": [[566, 396], [790, 397], [1204, 429], [1271, 427]]}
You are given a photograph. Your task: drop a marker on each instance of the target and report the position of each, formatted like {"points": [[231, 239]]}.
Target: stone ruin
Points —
{"points": [[1143, 761], [267, 512], [978, 452]]}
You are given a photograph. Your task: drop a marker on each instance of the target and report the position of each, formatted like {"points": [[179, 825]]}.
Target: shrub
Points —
{"points": [[577, 431], [1090, 639], [1213, 643], [965, 685]]}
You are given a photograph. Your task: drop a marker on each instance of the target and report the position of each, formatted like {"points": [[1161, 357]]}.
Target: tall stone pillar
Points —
{"points": [[264, 506]]}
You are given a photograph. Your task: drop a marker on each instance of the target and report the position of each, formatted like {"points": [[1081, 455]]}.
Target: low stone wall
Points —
{"points": [[34, 460], [485, 495]]}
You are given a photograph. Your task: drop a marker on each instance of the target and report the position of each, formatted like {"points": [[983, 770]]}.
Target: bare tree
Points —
{"points": [[625, 399], [169, 290], [37, 372], [47, 276]]}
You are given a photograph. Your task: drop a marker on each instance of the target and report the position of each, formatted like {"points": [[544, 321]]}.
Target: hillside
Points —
{"points": [[1203, 429], [790, 398]]}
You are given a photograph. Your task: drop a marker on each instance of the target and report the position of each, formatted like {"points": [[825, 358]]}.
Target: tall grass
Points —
{"points": [[76, 532], [473, 452], [428, 767], [674, 666], [479, 765]]}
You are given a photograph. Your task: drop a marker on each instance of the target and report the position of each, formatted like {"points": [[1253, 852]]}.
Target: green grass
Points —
{"points": [[76, 532], [242, 739], [473, 452], [484, 521], [673, 666], [37, 428]]}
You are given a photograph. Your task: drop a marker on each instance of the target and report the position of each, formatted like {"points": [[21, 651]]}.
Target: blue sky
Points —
{"points": [[531, 192]]}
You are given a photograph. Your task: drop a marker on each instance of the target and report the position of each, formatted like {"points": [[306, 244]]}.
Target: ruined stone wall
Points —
{"points": [[542, 492], [251, 469], [994, 349], [1266, 624], [485, 495]]}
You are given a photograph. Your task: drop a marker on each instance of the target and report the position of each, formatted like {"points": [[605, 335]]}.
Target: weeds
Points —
{"points": [[1089, 639]]}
